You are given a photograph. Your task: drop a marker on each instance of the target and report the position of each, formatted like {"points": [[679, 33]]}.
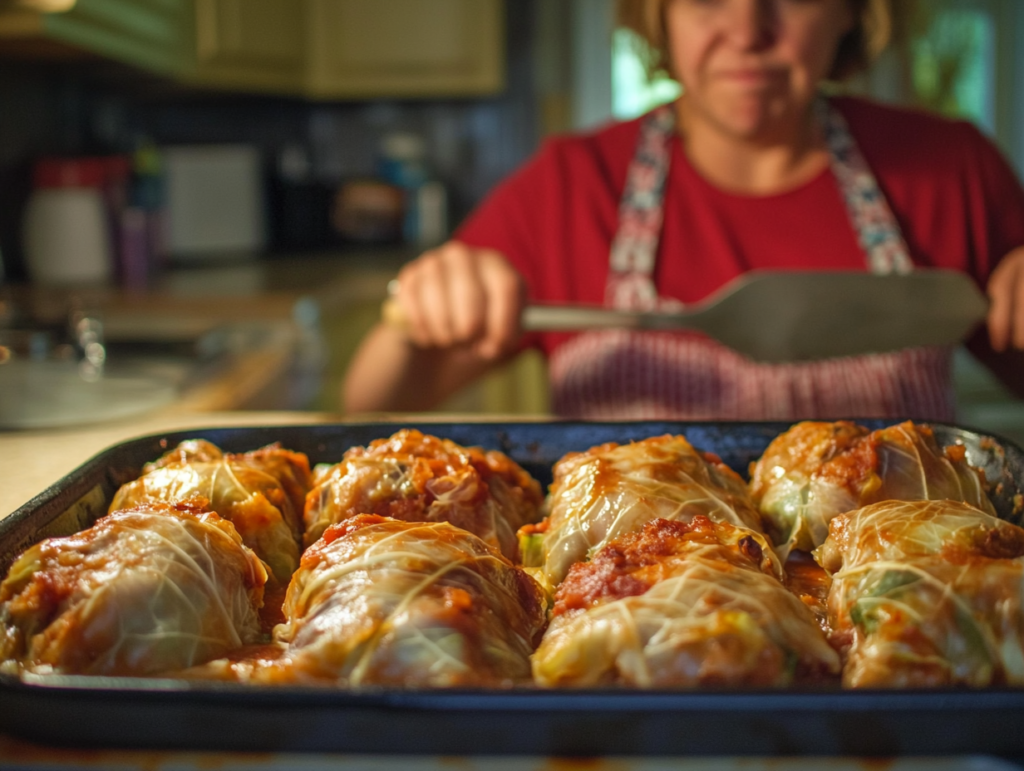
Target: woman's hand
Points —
{"points": [[460, 296], [1006, 291]]}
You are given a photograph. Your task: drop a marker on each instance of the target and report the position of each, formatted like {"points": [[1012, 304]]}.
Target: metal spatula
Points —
{"points": [[778, 316]]}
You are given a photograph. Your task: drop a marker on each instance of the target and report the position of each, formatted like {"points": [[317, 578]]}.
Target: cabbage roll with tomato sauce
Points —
{"points": [[681, 605], [262, 493], [816, 470], [416, 604], [416, 477], [144, 591], [926, 593], [188, 451], [613, 489]]}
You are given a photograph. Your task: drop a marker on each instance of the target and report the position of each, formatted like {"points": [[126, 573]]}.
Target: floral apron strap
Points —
{"points": [[634, 249], [870, 215]]}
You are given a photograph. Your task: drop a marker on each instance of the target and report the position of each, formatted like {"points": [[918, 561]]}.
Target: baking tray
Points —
{"points": [[151, 713]]}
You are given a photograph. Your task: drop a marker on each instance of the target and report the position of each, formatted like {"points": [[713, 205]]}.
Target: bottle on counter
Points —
{"points": [[66, 230], [141, 221]]}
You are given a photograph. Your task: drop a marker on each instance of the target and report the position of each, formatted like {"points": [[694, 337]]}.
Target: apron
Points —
{"points": [[629, 375]]}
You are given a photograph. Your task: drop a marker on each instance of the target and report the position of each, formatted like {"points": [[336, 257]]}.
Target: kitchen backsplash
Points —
{"points": [[94, 109]]}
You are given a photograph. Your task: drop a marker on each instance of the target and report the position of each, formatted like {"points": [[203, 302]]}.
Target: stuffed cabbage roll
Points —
{"points": [[613, 489], [816, 470], [385, 602], [261, 663], [419, 478], [810, 583], [262, 493], [681, 605], [188, 451], [926, 593], [144, 591]]}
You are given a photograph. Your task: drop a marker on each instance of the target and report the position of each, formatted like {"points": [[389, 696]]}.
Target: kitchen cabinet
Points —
{"points": [[321, 49], [250, 44], [149, 34], [405, 48]]}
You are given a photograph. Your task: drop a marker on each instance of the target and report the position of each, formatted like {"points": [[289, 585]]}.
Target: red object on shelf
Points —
{"points": [[50, 173]]}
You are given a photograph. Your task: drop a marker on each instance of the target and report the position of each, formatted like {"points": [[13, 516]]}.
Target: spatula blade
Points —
{"points": [[806, 316], [784, 316]]}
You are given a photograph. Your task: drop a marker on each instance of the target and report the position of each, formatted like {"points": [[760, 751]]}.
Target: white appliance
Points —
{"points": [[215, 204]]}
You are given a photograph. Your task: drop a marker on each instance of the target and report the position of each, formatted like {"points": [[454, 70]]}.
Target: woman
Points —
{"points": [[750, 169]]}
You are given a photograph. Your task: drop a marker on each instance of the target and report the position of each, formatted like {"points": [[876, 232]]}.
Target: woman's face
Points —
{"points": [[751, 67]]}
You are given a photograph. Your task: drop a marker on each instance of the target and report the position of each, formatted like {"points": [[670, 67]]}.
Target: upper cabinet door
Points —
{"points": [[405, 48], [251, 44], [321, 49]]}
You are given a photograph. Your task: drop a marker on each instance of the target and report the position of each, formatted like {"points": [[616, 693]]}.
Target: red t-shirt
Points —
{"points": [[956, 200]]}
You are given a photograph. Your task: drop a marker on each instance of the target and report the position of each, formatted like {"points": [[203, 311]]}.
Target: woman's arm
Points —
{"points": [[1000, 345], [461, 306], [1006, 291], [390, 373]]}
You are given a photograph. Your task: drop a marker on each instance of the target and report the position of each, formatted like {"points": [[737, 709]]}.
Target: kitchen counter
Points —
{"points": [[277, 321], [231, 286], [33, 460]]}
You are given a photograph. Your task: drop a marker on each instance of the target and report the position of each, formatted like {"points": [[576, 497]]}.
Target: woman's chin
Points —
{"points": [[758, 121]]}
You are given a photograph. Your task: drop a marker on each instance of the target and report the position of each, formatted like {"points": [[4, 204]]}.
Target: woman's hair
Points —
{"points": [[857, 49]]}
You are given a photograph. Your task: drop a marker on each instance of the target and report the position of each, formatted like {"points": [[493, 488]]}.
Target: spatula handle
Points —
{"points": [[543, 318], [392, 314], [569, 318]]}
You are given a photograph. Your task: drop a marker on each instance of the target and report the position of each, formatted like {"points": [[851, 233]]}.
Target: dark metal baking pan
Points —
{"points": [[148, 713]]}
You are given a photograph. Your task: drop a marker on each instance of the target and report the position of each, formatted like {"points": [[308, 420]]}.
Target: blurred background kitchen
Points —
{"points": [[202, 201]]}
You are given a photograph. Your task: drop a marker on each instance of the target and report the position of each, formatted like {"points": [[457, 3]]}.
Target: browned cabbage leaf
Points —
{"points": [[144, 591], [926, 593], [188, 451], [381, 601], [816, 470], [681, 605], [419, 478], [614, 489], [262, 493]]}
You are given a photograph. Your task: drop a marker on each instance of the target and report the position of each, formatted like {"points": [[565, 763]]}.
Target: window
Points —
{"points": [[633, 93], [954, 65]]}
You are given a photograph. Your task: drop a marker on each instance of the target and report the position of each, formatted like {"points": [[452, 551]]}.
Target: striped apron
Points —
{"points": [[629, 375]]}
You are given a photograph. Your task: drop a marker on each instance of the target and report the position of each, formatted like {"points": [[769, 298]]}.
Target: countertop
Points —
{"points": [[248, 288], [33, 460], [280, 315]]}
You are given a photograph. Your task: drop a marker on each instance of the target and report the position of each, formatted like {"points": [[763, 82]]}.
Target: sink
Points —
{"points": [[185, 357], [199, 354], [144, 369], [51, 394]]}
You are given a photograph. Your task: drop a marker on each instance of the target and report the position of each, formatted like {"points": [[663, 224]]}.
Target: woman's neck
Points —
{"points": [[761, 165]]}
